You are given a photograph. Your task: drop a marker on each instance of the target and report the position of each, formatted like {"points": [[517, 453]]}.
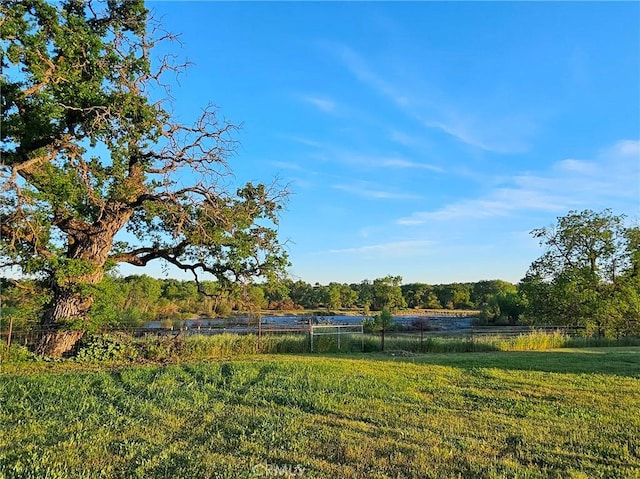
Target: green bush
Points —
{"points": [[368, 325], [106, 347], [17, 353]]}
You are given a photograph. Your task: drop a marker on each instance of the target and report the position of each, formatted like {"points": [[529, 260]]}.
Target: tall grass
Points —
{"points": [[122, 347], [530, 341], [218, 346]]}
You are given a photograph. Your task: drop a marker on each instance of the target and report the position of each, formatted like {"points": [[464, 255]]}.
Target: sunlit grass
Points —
{"points": [[569, 413]]}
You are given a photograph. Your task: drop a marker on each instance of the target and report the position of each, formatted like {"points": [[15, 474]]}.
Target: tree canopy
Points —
{"points": [[90, 151], [588, 276]]}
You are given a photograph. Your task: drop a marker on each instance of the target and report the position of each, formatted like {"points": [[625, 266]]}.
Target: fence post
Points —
{"points": [[310, 334], [9, 336]]}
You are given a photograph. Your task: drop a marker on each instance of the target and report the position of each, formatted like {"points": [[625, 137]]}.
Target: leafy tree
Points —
{"points": [[414, 293], [503, 307], [348, 296], [420, 295], [462, 296], [387, 293], [454, 295], [483, 291], [334, 297], [175, 290], [512, 305], [303, 294], [422, 325], [365, 294], [182, 293], [143, 292], [587, 275], [431, 301], [444, 293], [276, 293], [110, 296], [90, 149], [381, 322], [20, 302], [256, 299]]}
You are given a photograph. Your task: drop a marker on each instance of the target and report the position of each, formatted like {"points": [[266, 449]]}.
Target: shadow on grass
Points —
{"points": [[623, 361]]}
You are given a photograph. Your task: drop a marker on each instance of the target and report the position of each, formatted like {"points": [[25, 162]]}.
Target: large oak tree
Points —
{"points": [[96, 171]]}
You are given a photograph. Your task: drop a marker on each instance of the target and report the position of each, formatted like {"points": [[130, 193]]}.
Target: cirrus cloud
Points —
{"points": [[613, 176]]}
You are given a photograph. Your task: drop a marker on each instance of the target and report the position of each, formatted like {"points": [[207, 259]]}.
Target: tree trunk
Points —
{"points": [[58, 338], [57, 342], [64, 322]]}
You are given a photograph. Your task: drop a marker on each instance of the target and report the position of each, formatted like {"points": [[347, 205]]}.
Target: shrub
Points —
{"points": [[17, 353], [106, 347], [369, 325]]}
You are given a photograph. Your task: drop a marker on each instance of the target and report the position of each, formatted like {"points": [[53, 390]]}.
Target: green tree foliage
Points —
{"points": [[255, 300], [381, 322], [483, 291], [505, 307], [132, 301], [304, 294], [348, 296], [454, 295], [334, 296], [387, 293], [365, 294], [276, 293], [588, 275], [384, 320], [420, 296], [87, 152], [21, 302]]}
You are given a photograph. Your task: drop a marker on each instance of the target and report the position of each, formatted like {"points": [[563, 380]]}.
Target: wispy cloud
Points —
{"points": [[323, 104], [393, 248], [414, 141], [500, 202], [614, 175], [402, 163], [495, 132], [361, 70], [287, 165], [500, 135], [303, 141], [381, 161], [367, 190]]}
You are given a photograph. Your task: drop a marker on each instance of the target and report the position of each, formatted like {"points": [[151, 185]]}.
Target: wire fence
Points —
{"points": [[29, 335]]}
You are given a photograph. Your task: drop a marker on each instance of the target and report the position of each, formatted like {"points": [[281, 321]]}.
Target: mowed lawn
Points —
{"points": [[560, 413]]}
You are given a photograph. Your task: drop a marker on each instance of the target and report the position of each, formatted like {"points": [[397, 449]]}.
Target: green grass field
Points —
{"points": [[560, 413]]}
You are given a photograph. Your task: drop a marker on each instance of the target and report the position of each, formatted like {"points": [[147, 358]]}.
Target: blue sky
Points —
{"points": [[421, 139]]}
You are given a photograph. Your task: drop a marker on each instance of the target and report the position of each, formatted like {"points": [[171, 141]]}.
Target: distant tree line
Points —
{"points": [[588, 276], [137, 299]]}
